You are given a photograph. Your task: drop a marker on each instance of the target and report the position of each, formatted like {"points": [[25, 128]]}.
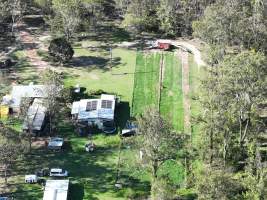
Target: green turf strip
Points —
{"points": [[146, 82], [171, 105]]}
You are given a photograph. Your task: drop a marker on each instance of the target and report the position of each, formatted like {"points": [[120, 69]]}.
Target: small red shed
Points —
{"points": [[164, 45]]}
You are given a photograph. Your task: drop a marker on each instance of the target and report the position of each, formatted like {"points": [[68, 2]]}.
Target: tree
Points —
{"points": [[66, 16], [45, 5], [171, 17], [53, 91], [142, 15], [231, 123], [158, 142], [15, 9], [28, 120], [234, 23], [61, 50], [3, 10], [10, 149]]}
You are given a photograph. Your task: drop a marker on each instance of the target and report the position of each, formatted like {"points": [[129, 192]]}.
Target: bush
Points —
{"points": [[61, 50]]}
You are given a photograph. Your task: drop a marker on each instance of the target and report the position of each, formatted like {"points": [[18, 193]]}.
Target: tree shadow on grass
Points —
{"points": [[92, 62], [76, 191], [87, 61], [122, 114], [108, 33]]}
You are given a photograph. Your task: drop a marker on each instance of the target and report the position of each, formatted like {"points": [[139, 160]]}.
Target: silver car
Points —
{"points": [[57, 172]]}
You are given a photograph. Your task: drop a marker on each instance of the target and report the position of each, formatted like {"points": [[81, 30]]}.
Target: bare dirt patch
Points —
{"points": [[31, 44]]}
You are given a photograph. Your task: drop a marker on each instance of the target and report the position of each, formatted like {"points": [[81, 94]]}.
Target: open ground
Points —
{"points": [[134, 76]]}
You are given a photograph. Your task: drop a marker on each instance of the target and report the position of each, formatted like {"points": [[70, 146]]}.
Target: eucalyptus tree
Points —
{"points": [[11, 148], [66, 16], [53, 91], [16, 9], [158, 142], [234, 23], [233, 90]]}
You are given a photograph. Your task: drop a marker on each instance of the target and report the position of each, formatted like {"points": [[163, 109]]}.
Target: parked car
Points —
{"points": [[32, 178], [42, 172], [129, 129], [57, 172], [55, 143], [90, 147]]}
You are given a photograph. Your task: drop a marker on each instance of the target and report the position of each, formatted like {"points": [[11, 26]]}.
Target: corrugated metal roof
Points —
{"points": [[56, 190], [31, 91], [20, 91], [36, 115]]}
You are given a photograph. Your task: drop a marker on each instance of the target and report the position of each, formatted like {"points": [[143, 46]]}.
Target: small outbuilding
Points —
{"points": [[96, 112], [164, 44], [35, 117], [56, 190], [32, 178], [25, 91]]}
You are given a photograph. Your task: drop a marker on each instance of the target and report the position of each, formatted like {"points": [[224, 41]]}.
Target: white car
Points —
{"points": [[32, 178], [55, 143], [57, 172]]}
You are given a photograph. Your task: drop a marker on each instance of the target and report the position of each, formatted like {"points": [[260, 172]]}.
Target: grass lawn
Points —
{"points": [[133, 76], [196, 74], [171, 105], [92, 176], [146, 81], [90, 69]]}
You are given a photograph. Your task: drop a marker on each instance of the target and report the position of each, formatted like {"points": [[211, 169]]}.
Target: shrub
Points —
{"points": [[61, 50]]}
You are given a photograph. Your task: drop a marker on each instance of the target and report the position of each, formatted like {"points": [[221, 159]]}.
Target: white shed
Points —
{"points": [[56, 190]]}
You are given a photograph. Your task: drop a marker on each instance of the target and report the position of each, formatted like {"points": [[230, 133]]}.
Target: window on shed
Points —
{"points": [[91, 105], [106, 104]]}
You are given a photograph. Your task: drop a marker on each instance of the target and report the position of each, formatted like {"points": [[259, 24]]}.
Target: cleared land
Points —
{"points": [[135, 77], [146, 86], [146, 82], [93, 175], [171, 105], [196, 75]]}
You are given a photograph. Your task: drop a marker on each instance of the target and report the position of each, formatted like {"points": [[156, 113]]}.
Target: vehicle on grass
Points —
{"points": [[57, 172], [90, 147], [130, 129], [32, 178], [42, 172], [55, 143]]}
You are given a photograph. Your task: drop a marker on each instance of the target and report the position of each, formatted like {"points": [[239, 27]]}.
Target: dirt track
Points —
{"points": [[30, 45]]}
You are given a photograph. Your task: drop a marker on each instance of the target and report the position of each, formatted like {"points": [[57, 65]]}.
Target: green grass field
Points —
{"points": [[146, 87], [133, 76], [196, 74], [95, 74], [92, 176], [171, 105], [146, 82]]}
